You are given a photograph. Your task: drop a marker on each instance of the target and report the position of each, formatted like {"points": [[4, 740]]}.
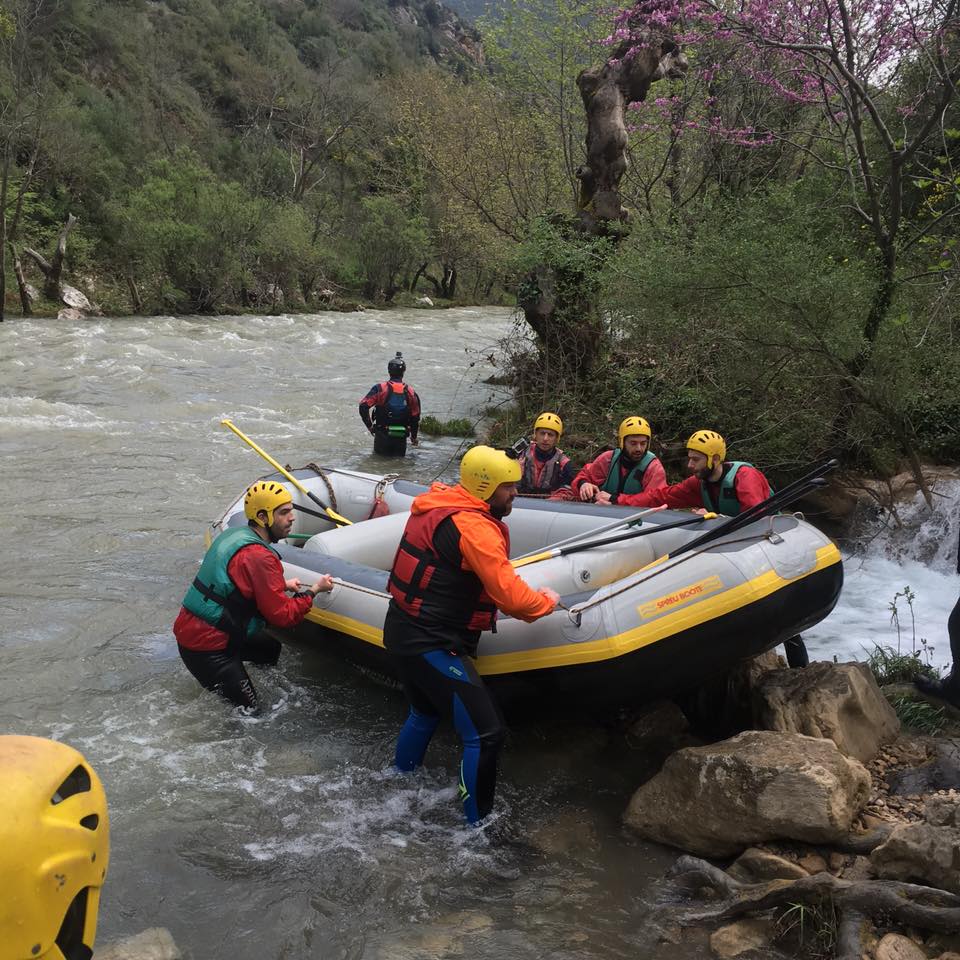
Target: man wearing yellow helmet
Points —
{"points": [[240, 587], [544, 466], [451, 574], [630, 469], [714, 484]]}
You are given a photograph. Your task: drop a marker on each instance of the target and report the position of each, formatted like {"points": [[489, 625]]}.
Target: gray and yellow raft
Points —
{"points": [[633, 629]]}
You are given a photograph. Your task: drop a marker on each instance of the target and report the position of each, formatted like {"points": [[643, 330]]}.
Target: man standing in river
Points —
{"points": [[240, 585], [949, 687], [451, 573], [395, 409]]}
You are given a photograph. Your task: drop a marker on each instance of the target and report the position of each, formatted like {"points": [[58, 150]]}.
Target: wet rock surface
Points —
{"points": [[718, 799], [838, 701]]}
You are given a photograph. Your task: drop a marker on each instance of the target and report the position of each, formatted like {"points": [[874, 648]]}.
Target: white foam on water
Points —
{"points": [[917, 549], [33, 413]]}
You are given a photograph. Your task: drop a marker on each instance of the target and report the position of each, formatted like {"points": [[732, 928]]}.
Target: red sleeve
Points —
{"points": [[679, 495], [258, 573], [751, 487], [654, 477], [485, 553], [593, 472], [414, 402], [374, 396]]}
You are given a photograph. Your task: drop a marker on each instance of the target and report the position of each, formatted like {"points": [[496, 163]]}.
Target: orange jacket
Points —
{"points": [[485, 550]]}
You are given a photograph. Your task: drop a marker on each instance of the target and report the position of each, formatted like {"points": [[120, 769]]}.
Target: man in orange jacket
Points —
{"points": [[451, 574]]}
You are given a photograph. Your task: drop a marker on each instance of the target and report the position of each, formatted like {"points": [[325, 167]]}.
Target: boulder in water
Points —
{"points": [[153, 944]]}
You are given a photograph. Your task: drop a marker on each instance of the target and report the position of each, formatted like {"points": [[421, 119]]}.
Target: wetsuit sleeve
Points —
{"points": [[593, 472], [654, 477], [370, 400], [484, 552], [258, 574], [678, 495], [751, 487]]}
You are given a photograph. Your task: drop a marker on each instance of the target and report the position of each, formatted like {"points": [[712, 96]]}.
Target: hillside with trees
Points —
{"points": [[778, 257]]}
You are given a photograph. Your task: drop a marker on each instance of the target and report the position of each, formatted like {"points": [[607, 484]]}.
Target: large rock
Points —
{"points": [[895, 946], [153, 944], [838, 701], [749, 936], [758, 786], [755, 864], [927, 853]]}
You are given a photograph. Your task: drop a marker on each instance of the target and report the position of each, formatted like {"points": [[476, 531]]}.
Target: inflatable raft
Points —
{"points": [[638, 624]]}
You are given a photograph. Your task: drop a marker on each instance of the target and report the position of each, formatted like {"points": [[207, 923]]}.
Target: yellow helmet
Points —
{"points": [[483, 469], [549, 421], [633, 427], [709, 442], [265, 495], [54, 849]]}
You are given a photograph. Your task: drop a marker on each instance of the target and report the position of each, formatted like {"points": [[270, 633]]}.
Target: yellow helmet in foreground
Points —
{"points": [[633, 427], [54, 849], [265, 495], [483, 469], [709, 442], [549, 421]]}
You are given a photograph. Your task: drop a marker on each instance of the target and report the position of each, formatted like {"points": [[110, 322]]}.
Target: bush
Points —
{"points": [[888, 666], [458, 427]]}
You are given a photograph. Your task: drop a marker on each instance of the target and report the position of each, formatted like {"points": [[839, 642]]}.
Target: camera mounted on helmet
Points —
{"points": [[396, 366]]}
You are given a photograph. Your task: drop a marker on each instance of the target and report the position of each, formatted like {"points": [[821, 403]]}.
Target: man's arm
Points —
{"points": [[258, 574], [484, 552], [414, 415], [594, 472], [679, 495], [370, 400], [654, 476], [751, 487]]}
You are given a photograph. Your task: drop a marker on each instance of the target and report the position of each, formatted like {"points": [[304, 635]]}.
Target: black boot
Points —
{"points": [[796, 651], [947, 689]]}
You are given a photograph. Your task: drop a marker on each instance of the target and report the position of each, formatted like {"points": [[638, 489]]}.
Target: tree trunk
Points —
{"points": [[53, 269], [26, 305], [625, 77], [136, 300]]}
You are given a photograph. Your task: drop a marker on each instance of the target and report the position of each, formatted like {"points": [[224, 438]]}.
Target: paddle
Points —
{"points": [[603, 541], [758, 511], [331, 515], [621, 522]]}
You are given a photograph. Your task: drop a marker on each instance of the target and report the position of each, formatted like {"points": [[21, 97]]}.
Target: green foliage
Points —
{"points": [[888, 666], [458, 427], [920, 716], [392, 242]]}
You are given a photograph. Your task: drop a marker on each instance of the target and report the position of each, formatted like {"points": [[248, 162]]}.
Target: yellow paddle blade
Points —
{"points": [[523, 561]]}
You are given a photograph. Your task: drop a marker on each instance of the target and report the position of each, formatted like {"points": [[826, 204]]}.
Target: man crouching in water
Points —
{"points": [[240, 586], [451, 573]]}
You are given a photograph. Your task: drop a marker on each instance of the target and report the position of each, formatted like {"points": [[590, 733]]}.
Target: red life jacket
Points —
{"points": [[428, 588], [542, 476]]}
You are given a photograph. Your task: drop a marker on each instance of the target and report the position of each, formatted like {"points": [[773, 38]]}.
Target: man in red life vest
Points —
{"points": [[396, 411], [714, 484], [630, 469], [450, 575], [544, 466], [240, 586]]}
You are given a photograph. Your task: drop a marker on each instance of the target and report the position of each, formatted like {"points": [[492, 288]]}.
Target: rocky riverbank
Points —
{"points": [[824, 830]]}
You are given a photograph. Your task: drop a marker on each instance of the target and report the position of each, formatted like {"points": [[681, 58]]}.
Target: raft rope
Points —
{"points": [[319, 472]]}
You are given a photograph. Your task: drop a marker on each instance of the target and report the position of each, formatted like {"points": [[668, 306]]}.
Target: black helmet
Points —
{"points": [[396, 367]]}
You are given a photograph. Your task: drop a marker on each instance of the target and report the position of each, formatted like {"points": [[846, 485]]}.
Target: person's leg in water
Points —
{"points": [[443, 684], [223, 673], [949, 687]]}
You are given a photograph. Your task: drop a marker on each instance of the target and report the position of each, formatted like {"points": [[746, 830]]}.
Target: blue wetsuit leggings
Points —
{"points": [[440, 684]]}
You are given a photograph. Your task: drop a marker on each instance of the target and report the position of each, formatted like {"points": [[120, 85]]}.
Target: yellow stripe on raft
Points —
{"points": [[606, 648]]}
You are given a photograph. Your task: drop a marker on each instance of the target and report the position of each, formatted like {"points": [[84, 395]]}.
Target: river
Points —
{"points": [[288, 836]]}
